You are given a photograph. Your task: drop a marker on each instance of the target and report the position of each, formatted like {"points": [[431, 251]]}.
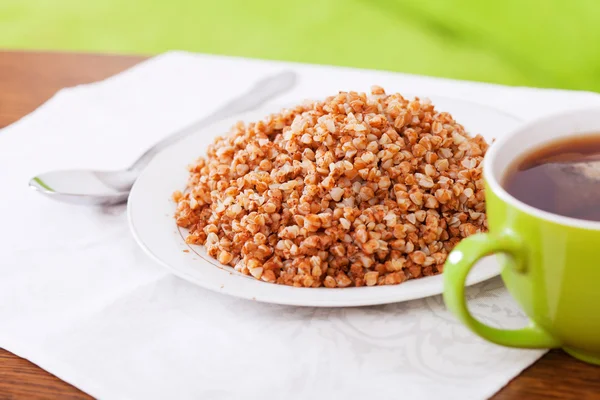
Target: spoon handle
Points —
{"points": [[261, 92]]}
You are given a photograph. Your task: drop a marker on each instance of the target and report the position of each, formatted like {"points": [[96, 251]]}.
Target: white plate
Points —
{"points": [[151, 210]]}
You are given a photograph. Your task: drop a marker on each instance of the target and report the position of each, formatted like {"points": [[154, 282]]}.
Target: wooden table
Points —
{"points": [[29, 79]]}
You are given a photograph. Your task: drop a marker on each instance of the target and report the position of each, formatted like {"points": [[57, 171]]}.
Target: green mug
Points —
{"points": [[550, 263]]}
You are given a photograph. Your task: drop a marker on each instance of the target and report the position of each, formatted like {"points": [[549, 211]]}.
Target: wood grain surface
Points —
{"points": [[28, 79]]}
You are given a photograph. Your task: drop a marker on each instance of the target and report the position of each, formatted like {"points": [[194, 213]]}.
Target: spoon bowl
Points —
{"points": [[85, 187]]}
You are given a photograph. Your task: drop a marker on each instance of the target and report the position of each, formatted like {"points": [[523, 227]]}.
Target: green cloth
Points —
{"points": [[551, 43]]}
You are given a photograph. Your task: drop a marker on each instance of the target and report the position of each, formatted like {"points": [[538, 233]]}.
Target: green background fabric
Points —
{"points": [[544, 43]]}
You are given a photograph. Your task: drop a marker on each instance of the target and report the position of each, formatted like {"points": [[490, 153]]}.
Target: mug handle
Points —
{"points": [[459, 263]]}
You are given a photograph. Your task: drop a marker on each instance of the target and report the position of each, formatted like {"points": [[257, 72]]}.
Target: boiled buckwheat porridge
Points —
{"points": [[355, 190]]}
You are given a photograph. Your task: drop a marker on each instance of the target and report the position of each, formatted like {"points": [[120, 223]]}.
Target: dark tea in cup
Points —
{"points": [[561, 177]]}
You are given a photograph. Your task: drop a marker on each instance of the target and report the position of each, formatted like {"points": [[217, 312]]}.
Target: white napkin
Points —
{"points": [[78, 297]]}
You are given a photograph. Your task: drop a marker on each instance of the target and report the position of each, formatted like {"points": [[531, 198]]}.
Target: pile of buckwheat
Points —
{"points": [[351, 191]]}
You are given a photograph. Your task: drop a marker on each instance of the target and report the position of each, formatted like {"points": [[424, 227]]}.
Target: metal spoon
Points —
{"points": [[90, 187]]}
